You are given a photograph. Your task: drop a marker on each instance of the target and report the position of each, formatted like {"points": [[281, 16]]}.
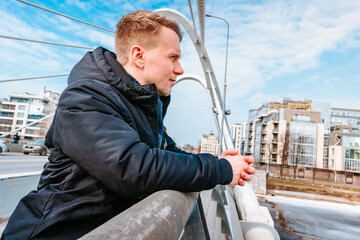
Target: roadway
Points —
{"points": [[12, 163]]}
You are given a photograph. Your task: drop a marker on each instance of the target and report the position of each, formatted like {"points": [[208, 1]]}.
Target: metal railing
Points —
{"points": [[162, 215], [212, 214]]}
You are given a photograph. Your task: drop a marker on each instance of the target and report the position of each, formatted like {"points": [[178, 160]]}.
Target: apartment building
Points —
{"points": [[305, 133], [344, 116], [285, 133], [210, 144], [344, 138], [25, 108]]}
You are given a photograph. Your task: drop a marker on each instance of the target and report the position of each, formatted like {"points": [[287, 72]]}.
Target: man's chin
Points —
{"points": [[164, 94]]}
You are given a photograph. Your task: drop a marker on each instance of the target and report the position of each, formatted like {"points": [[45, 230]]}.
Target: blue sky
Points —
{"points": [[277, 49]]}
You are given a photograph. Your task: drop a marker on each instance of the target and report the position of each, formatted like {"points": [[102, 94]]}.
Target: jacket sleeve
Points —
{"points": [[170, 145], [89, 127]]}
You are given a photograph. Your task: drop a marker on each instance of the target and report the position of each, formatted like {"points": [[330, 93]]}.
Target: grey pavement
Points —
{"points": [[17, 163]]}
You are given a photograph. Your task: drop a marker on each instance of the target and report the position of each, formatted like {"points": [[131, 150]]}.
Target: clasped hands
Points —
{"points": [[240, 165]]}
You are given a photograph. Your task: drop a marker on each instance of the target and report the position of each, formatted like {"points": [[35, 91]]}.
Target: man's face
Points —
{"points": [[161, 63]]}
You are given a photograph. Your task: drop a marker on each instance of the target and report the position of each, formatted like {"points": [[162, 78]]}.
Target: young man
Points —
{"points": [[108, 147], [16, 138]]}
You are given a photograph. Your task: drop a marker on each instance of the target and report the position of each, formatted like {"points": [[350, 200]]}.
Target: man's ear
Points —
{"points": [[137, 55]]}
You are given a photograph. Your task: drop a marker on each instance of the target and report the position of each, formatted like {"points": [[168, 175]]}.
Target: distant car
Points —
{"points": [[2, 146], [37, 147]]}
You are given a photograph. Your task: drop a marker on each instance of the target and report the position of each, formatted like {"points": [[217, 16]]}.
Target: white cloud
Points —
{"points": [[330, 81], [77, 3], [84, 34], [282, 38], [12, 25]]}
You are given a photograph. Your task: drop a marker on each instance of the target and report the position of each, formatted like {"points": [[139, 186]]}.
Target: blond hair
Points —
{"points": [[140, 27]]}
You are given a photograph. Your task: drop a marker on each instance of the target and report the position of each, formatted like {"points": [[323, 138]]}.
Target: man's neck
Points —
{"points": [[133, 72]]}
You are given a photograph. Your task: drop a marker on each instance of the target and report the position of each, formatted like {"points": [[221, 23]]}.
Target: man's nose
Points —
{"points": [[178, 70]]}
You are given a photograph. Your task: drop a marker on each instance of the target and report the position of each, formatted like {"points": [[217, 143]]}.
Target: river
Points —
{"points": [[307, 219]]}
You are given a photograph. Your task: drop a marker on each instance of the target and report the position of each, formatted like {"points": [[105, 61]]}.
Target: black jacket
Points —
{"points": [[105, 156]]}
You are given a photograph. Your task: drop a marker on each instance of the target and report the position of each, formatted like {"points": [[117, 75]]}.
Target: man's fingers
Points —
{"points": [[245, 176], [249, 159], [250, 170], [230, 152], [241, 182]]}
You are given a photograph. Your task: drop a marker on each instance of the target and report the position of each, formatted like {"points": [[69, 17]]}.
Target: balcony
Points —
{"points": [[275, 131], [7, 114], [6, 121], [35, 116], [21, 100], [8, 108]]}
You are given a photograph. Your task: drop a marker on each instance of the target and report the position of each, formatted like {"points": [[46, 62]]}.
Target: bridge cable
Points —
{"points": [[201, 15], [63, 15], [32, 78], [192, 16], [44, 42]]}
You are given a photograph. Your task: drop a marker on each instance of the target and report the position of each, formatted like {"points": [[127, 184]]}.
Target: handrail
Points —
{"points": [[162, 215], [169, 214]]}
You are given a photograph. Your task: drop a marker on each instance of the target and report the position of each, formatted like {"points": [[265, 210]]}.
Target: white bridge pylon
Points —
{"points": [[257, 222], [210, 83]]}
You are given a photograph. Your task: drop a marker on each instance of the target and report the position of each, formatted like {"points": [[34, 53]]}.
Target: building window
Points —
{"points": [[19, 122], [12, 99], [29, 131], [35, 116], [22, 107], [8, 107], [302, 118], [7, 114], [325, 163], [20, 115], [6, 121]]}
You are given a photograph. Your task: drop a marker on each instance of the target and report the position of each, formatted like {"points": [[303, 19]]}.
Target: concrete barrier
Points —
{"points": [[258, 182], [13, 188], [10, 147]]}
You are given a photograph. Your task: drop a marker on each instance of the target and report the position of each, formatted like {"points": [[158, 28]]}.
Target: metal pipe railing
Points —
{"points": [[162, 215], [28, 125]]}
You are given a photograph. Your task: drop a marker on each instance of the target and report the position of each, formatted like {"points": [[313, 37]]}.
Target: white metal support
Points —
{"points": [[254, 221], [210, 77], [28, 125]]}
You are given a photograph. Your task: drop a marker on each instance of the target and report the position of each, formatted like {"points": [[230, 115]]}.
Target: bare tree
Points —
{"points": [[267, 157], [284, 152], [295, 152]]}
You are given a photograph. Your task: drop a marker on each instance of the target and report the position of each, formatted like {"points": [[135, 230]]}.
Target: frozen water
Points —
{"points": [[310, 219]]}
